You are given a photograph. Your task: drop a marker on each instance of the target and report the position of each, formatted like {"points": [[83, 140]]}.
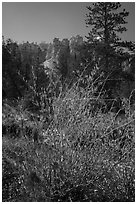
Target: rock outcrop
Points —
{"points": [[64, 56]]}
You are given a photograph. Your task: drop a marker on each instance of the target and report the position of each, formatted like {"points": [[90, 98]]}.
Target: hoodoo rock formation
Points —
{"points": [[64, 56]]}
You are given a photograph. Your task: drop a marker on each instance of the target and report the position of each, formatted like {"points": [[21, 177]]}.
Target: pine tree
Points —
{"points": [[106, 23]]}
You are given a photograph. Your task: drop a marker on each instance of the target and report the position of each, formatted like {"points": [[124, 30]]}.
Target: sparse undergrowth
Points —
{"points": [[83, 155]]}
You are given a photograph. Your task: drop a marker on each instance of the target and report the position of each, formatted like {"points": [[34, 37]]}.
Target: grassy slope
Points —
{"points": [[82, 156]]}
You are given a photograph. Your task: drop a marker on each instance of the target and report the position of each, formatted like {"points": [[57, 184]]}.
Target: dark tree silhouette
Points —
{"points": [[106, 24]]}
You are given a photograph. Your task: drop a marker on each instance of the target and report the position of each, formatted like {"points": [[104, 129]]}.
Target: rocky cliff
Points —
{"points": [[64, 55]]}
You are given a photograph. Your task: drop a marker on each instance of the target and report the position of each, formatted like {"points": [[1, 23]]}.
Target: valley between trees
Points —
{"points": [[68, 115]]}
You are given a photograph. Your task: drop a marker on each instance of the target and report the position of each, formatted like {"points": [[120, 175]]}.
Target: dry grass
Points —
{"points": [[83, 155]]}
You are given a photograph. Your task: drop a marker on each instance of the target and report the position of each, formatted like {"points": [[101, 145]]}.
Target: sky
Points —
{"points": [[43, 21]]}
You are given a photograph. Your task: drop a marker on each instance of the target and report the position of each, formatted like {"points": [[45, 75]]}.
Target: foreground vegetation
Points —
{"points": [[82, 154]]}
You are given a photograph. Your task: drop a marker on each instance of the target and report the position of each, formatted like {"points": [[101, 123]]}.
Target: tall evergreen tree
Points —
{"points": [[106, 23]]}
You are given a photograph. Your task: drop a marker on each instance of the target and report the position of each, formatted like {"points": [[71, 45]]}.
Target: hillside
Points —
{"points": [[68, 114]]}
